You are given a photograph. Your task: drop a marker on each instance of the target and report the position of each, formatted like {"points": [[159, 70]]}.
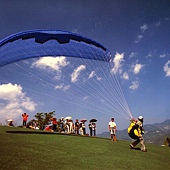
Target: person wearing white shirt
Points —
{"points": [[112, 129]]}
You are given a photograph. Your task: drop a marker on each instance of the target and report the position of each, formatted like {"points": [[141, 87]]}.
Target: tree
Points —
{"points": [[43, 119]]}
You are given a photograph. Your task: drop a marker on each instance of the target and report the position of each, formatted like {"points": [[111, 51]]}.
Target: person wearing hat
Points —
{"points": [[112, 129], [10, 123], [135, 131]]}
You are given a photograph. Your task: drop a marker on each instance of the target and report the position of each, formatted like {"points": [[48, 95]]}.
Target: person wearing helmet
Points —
{"points": [[140, 124], [140, 118], [135, 131]]}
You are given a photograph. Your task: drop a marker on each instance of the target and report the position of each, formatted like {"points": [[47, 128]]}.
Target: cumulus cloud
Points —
{"points": [[137, 68], [52, 63], [62, 87], [135, 85], [118, 59], [14, 101], [76, 73], [125, 76], [167, 68], [93, 74]]}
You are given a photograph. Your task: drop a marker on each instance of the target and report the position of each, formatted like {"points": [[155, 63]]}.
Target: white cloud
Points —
{"points": [[93, 74], [28, 104], [152, 54], [11, 105], [62, 87], [138, 38], [144, 27], [9, 91], [58, 75], [167, 68], [137, 68], [132, 55], [75, 30], [135, 85], [14, 102], [158, 24], [162, 55], [118, 59], [52, 63], [125, 76], [76, 73], [25, 62], [85, 97], [149, 55]]}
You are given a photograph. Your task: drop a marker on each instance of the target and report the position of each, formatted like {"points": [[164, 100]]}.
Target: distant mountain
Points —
{"points": [[154, 133]]}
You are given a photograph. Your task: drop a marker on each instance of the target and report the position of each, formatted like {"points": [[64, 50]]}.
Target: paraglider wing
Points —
{"points": [[40, 43]]}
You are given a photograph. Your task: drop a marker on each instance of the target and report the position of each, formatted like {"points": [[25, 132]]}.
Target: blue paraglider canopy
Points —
{"points": [[40, 43]]}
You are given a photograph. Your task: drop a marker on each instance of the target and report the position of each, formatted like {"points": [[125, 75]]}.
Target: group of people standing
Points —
{"points": [[68, 126], [135, 130]]}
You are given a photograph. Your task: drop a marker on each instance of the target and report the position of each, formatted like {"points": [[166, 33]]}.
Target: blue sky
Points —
{"points": [[135, 32]]}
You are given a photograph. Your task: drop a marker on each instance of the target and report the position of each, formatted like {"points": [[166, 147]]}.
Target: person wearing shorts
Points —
{"points": [[112, 129]]}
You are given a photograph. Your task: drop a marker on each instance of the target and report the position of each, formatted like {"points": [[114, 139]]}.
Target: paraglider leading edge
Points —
{"points": [[40, 43]]}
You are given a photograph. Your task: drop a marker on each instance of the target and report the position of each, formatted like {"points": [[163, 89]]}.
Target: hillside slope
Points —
{"points": [[28, 151]]}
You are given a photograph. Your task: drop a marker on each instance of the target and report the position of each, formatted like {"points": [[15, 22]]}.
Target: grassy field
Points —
{"points": [[29, 151]]}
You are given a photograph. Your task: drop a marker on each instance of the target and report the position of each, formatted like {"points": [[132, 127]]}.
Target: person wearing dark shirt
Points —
{"points": [[54, 122], [77, 127], [90, 128]]}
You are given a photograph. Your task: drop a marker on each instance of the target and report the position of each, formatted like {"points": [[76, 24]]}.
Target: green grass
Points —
{"points": [[23, 151]]}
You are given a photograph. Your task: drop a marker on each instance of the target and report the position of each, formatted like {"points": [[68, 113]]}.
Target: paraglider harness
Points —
{"points": [[135, 129]]}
